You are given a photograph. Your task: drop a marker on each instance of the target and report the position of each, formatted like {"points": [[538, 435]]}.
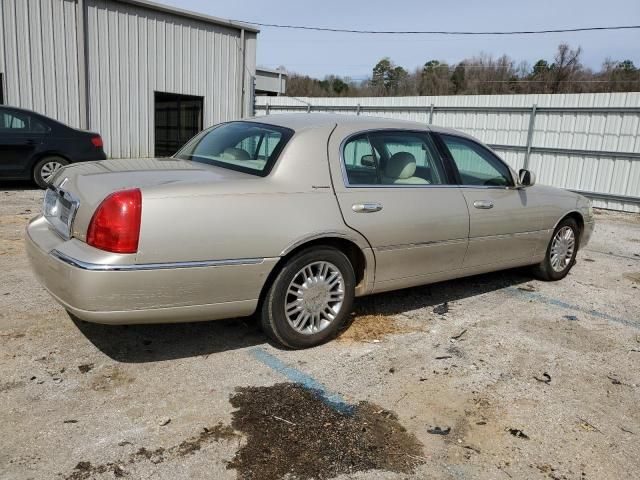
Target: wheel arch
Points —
{"points": [[361, 259], [40, 155], [579, 219]]}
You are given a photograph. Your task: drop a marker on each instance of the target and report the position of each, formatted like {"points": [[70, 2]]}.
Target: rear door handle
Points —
{"points": [[483, 204], [367, 207]]}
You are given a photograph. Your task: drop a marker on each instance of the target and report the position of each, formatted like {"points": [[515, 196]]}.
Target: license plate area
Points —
{"points": [[59, 210]]}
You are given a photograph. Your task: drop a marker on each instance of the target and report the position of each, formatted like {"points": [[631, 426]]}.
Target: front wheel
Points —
{"points": [[46, 168], [309, 299], [561, 252]]}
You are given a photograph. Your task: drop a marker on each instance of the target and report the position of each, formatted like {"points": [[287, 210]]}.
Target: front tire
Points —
{"points": [[561, 252], [309, 299], [46, 168]]}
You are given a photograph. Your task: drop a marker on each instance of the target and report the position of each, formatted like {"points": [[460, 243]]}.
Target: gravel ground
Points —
{"points": [[495, 376]]}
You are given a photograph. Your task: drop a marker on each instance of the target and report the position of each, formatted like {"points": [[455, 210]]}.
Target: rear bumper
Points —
{"points": [[113, 292]]}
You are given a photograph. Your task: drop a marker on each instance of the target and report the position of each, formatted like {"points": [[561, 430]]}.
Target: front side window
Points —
{"points": [[244, 146], [392, 158], [477, 165]]}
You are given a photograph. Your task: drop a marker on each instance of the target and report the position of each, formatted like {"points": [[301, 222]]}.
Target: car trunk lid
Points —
{"points": [[79, 189]]}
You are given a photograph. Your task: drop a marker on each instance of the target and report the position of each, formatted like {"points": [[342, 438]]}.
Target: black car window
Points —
{"points": [[18, 122]]}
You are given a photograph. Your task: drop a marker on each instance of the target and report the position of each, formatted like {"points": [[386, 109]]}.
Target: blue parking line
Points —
{"points": [[539, 297], [332, 399]]}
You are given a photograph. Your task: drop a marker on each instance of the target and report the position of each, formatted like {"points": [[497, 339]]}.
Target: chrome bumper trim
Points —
{"points": [[99, 267]]}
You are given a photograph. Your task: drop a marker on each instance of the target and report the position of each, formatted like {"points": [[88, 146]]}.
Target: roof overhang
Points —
{"points": [[193, 15]]}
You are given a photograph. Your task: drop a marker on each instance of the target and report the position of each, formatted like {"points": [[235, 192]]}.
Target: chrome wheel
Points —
{"points": [[562, 247], [314, 297], [49, 169]]}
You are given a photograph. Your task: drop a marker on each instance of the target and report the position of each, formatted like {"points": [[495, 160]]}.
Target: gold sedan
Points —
{"points": [[291, 216]]}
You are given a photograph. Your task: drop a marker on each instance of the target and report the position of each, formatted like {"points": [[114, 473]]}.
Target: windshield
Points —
{"points": [[244, 146]]}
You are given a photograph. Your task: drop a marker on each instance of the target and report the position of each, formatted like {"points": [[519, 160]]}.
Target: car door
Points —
{"points": [[394, 188], [504, 221], [20, 136]]}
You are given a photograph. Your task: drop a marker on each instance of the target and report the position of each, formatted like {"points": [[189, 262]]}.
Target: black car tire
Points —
{"points": [[544, 270], [273, 316], [42, 168]]}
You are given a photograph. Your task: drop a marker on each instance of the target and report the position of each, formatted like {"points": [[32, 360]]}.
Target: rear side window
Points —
{"points": [[243, 146], [392, 158], [477, 165], [18, 122]]}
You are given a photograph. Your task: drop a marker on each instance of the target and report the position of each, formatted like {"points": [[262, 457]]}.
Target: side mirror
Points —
{"points": [[367, 161], [526, 178]]}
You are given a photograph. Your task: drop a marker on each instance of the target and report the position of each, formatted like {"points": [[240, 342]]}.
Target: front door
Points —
{"points": [[393, 187], [505, 223]]}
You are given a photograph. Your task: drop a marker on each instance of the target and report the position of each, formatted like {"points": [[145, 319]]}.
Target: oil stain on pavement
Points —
{"points": [[292, 432]]}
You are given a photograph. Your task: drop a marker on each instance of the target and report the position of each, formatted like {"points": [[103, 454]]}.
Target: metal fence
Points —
{"points": [[588, 143]]}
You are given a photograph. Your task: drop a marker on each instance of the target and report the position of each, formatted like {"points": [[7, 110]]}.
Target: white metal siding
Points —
{"points": [[134, 51], [39, 56], [591, 131]]}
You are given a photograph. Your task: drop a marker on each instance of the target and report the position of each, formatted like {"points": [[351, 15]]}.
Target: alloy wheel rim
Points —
{"points": [[562, 248], [49, 169], [314, 297]]}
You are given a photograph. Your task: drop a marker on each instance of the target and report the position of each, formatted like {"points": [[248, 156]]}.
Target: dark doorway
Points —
{"points": [[178, 118]]}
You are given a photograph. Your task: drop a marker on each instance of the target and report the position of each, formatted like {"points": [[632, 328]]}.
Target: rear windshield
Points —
{"points": [[243, 146]]}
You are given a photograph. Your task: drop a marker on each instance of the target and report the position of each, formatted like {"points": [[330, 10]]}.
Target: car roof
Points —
{"points": [[303, 121]]}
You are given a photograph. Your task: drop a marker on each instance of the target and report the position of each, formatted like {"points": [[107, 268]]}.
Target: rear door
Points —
{"points": [[20, 136], [505, 222], [394, 188]]}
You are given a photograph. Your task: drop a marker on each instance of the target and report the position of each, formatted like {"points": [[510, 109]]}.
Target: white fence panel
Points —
{"points": [[584, 142]]}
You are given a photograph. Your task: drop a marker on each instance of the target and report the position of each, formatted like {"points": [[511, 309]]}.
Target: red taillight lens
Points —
{"points": [[97, 141], [115, 226]]}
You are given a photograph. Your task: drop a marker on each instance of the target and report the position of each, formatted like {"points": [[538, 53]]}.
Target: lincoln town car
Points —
{"points": [[289, 217]]}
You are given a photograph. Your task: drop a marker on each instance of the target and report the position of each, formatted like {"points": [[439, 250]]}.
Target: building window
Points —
{"points": [[177, 119]]}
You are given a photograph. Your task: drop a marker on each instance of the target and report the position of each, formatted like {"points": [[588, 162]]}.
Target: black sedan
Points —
{"points": [[33, 146]]}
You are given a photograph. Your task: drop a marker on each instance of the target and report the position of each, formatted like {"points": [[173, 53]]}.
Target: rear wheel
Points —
{"points": [[46, 168], [561, 252], [309, 299]]}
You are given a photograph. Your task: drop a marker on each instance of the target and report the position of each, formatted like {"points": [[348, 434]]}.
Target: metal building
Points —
{"points": [[145, 76], [270, 82]]}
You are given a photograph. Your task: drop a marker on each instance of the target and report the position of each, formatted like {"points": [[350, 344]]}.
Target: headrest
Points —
{"points": [[236, 154], [401, 165]]}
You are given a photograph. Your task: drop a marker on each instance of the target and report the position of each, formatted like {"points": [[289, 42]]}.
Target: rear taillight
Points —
{"points": [[115, 226], [97, 141]]}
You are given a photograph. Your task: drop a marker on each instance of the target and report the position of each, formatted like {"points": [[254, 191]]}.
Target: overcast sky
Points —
{"points": [[318, 53]]}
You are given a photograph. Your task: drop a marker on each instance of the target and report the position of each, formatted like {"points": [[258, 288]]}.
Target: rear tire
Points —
{"points": [[309, 299], [561, 252], [46, 168]]}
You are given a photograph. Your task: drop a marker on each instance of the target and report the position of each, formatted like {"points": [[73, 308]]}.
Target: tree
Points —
{"points": [[434, 78], [458, 80], [387, 76], [565, 67]]}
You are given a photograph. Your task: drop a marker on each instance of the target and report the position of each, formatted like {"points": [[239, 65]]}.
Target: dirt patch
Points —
{"points": [[110, 378], [634, 277], [85, 470], [368, 328], [291, 431]]}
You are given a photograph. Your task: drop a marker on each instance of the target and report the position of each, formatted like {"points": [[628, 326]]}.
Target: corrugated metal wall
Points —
{"points": [[131, 52], [134, 51], [39, 56], [589, 132]]}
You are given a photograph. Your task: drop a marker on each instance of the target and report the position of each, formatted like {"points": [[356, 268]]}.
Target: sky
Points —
{"points": [[318, 53]]}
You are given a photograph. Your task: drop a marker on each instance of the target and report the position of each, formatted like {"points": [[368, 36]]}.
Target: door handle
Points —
{"points": [[483, 204], [367, 207]]}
